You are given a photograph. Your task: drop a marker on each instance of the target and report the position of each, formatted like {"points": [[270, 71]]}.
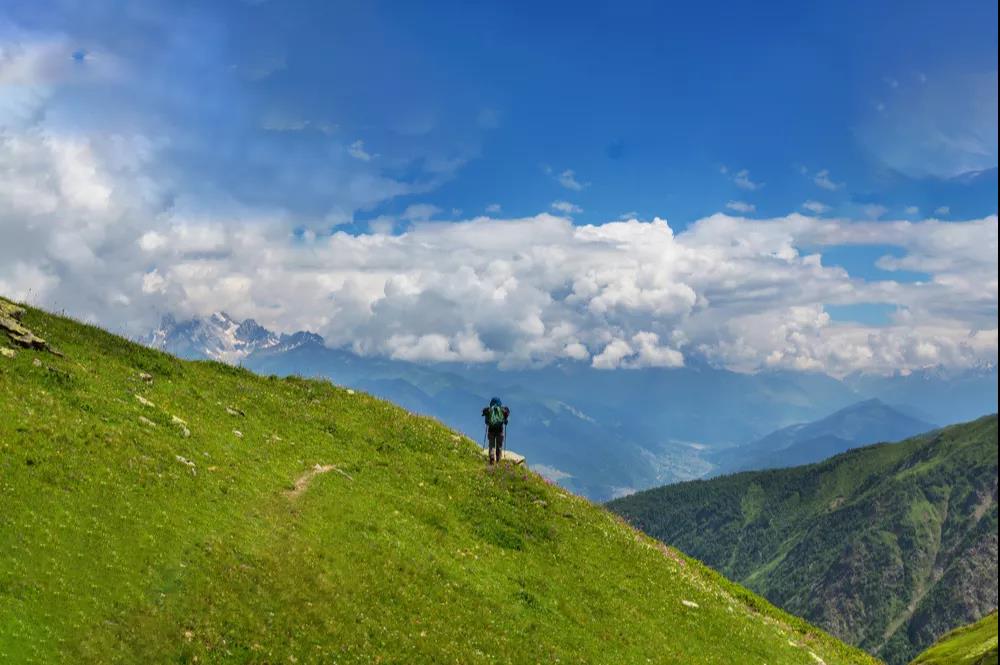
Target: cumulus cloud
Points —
{"points": [[943, 211], [743, 181], [493, 209], [357, 151], [741, 206], [94, 224], [643, 350], [568, 180], [566, 207], [743, 293], [873, 210], [815, 207], [823, 179], [420, 211]]}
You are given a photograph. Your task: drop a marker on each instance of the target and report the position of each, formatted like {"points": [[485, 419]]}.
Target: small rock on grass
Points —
{"points": [[182, 425], [238, 434], [146, 421], [36, 362], [7, 352], [689, 603], [148, 378], [142, 400], [188, 463], [234, 412]]}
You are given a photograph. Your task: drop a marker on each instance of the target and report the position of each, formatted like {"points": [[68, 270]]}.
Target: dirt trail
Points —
{"points": [[302, 483]]}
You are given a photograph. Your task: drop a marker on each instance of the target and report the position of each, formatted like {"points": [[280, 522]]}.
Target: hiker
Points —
{"points": [[496, 415]]}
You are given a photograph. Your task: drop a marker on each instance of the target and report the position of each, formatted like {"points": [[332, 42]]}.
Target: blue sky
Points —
{"points": [[645, 103], [371, 118]]}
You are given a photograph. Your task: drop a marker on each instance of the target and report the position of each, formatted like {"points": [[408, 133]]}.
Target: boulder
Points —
{"points": [[508, 456], [10, 322]]}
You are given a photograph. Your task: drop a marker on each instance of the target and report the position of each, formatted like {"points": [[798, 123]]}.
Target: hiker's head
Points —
{"points": [[495, 401]]}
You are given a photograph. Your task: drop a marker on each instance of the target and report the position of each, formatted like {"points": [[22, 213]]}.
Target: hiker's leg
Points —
{"points": [[499, 445], [493, 444]]}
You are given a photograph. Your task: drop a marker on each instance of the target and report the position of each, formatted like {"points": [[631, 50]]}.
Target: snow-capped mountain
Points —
{"points": [[220, 337]]}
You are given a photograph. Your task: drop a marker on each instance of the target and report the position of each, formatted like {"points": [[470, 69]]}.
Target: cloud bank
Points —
{"points": [[104, 225], [82, 232]]}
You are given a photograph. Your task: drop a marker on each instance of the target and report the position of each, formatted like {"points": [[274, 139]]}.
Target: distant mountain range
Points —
{"points": [[599, 433], [220, 337], [869, 421], [887, 546]]}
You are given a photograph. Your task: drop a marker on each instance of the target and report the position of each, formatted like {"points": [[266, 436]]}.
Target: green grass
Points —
{"points": [[975, 644], [888, 546], [124, 540]]}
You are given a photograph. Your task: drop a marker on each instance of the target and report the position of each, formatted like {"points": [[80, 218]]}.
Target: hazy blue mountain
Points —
{"points": [[863, 423], [934, 394]]}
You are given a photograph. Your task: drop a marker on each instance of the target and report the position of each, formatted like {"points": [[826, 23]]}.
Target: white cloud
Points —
{"points": [[568, 180], [150, 241], [815, 207], [625, 294], [357, 151], [741, 206], [493, 209], [284, 122], [85, 227], [943, 211], [153, 282], [911, 210], [823, 179], [943, 127], [550, 472], [420, 212], [566, 207], [874, 210], [743, 181]]}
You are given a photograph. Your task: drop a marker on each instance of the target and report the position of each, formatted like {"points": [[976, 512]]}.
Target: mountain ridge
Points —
{"points": [[887, 546], [865, 422]]}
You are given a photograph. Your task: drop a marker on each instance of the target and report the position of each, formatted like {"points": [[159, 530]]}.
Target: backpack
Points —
{"points": [[494, 415]]}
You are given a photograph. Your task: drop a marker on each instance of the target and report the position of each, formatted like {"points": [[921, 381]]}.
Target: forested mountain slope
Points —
{"points": [[887, 547]]}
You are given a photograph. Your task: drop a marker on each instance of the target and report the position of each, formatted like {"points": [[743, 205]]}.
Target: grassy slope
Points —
{"points": [[114, 550], [975, 644], [887, 546]]}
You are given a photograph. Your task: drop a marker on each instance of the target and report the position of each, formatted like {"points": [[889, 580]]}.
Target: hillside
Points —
{"points": [[975, 644], [887, 547], [870, 421], [158, 510]]}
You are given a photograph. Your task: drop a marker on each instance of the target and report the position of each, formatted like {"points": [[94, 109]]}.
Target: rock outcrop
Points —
{"points": [[10, 322]]}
